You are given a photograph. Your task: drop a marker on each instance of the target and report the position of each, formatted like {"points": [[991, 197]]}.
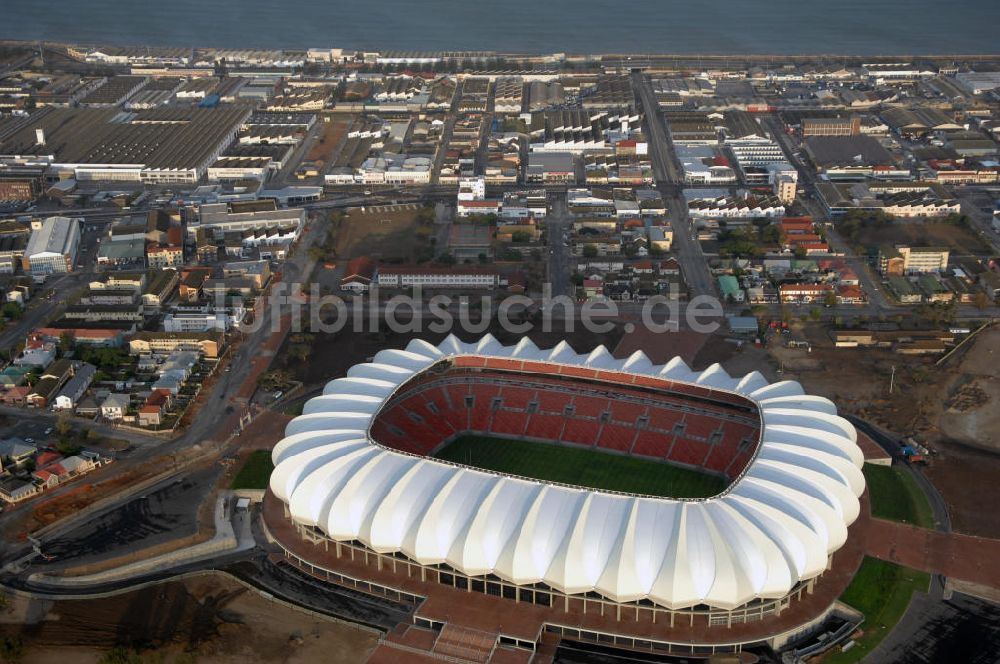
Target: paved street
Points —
{"points": [[669, 181], [559, 263]]}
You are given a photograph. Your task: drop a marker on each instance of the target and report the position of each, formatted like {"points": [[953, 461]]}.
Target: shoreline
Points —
{"points": [[789, 58]]}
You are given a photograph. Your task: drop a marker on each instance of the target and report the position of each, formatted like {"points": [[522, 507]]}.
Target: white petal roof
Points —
{"points": [[773, 527]]}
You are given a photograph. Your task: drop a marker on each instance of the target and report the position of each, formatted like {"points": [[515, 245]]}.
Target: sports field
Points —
{"points": [[581, 467]]}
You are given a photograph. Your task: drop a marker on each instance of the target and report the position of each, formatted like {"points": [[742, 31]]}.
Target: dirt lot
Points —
{"points": [[210, 618], [960, 240], [951, 409], [385, 232], [333, 354], [328, 141]]}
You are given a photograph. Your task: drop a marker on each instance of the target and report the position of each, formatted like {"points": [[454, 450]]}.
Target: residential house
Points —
{"points": [[49, 383], [156, 404], [358, 275], [15, 489], [71, 393], [115, 407], [37, 353]]}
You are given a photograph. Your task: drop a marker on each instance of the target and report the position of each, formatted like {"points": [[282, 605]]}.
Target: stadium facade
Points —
{"points": [[356, 499]]}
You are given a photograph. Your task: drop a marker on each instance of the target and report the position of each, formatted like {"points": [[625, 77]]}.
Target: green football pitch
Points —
{"points": [[581, 467]]}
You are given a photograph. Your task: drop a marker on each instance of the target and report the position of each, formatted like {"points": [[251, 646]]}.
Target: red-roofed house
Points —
{"points": [[49, 477], [848, 294], [358, 275], [593, 287], [109, 338], [847, 276], [517, 282], [46, 458], [643, 267], [151, 412], [670, 266]]}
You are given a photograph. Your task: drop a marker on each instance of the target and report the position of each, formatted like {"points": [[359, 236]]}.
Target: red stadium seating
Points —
{"points": [[652, 444], [615, 437], [509, 422], [719, 432], [545, 426], [581, 432]]}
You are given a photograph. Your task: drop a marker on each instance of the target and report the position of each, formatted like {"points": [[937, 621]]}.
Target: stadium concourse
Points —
{"points": [[356, 498]]}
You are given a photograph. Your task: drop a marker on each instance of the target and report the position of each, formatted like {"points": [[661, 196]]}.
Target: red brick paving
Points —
{"points": [[385, 653], [872, 450], [963, 557], [468, 644]]}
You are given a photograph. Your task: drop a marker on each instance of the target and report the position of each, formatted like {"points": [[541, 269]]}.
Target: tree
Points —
{"points": [[589, 250], [65, 342], [121, 655], [67, 447], [11, 648], [299, 352], [830, 299], [12, 310], [446, 259], [63, 424]]}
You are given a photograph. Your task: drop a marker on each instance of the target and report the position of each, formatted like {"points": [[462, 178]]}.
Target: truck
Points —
{"points": [[914, 452]]}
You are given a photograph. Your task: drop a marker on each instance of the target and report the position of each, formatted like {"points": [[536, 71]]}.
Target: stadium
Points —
{"points": [[610, 501]]}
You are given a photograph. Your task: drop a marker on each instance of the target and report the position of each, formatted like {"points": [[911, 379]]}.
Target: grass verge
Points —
{"points": [[896, 496], [255, 473], [882, 591]]}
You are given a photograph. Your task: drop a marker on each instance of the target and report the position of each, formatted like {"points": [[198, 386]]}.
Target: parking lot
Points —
{"points": [[38, 432]]}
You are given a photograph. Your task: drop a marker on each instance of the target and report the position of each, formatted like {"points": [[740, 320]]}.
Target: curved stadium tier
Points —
{"points": [[359, 473]]}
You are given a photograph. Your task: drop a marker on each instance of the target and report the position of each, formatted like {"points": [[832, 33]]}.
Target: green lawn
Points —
{"points": [[581, 467], [895, 496], [881, 591], [255, 472]]}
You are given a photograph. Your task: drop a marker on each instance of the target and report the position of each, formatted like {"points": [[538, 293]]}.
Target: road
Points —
{"points": [[446, 133], [558, 266], [207, 422], [670, 184], [931, 622], [877, 302]]}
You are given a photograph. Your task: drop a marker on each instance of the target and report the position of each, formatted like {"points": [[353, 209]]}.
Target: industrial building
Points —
{"points": [[52, 247], [218, 219], [171, 145], [853, 157], [835, 126]]}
